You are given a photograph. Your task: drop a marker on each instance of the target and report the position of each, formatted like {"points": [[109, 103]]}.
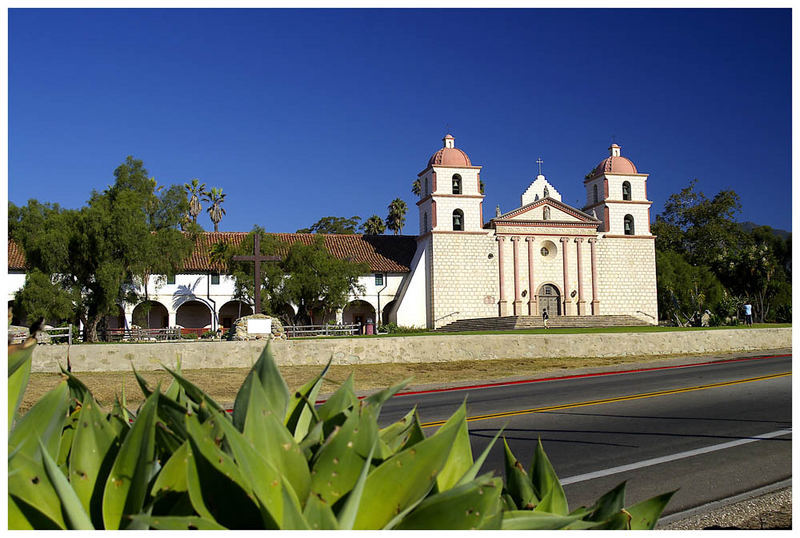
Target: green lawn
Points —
{"points": [[638, 329]]}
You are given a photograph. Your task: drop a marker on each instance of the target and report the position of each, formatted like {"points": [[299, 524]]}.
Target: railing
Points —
{"points": [[294, 331], [138, 335], [445, 316], [60, 332]]}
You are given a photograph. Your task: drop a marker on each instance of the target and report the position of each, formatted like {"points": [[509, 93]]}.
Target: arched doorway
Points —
{"points": [[151, 315], [358, 312], [231, 311], [385, 315], [116, 322], [549, 299], [193, 315]]}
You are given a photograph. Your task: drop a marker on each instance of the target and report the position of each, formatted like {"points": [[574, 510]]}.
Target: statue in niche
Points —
{"points": [[546, 192], [497, 211], [546, 213]]}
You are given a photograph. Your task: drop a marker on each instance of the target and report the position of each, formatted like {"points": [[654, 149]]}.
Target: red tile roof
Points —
{"points": [[16, 259], [383, 253]]}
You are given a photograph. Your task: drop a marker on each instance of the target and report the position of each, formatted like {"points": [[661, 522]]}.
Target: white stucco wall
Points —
{"points": [[412, 305], [14, 282]]}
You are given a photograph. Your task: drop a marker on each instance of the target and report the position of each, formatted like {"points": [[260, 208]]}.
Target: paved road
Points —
{"points": [[710, 431]]}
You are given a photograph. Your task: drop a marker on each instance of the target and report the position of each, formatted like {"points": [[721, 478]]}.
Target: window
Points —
{"points": [[424, 222], [626, 191], [170, 279], [595, 195], [458, 220], [629, 225], [546, 214], [456, 184], [379, 279], [544, 251], [214, 278]]}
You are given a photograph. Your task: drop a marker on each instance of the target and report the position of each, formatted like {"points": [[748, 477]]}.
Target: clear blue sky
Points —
{"points": [[300, 114]]}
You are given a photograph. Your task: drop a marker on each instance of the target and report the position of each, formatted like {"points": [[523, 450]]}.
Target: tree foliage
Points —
{"points": [[333, 225], [397, 215], [698, 237], [215, 197], [374, 225], [98, 254], [195, 191]]}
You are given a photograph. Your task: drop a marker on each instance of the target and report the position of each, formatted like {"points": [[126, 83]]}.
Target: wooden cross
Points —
{"points": [[257, 258], [539, 161]]}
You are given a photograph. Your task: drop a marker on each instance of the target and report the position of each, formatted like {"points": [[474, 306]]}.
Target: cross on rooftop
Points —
{"points": [[539, 161], [257, 258]]}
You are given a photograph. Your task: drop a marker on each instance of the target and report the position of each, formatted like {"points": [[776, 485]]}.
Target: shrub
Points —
{"points": [[189, 336], [276, 462], [394, 328]]}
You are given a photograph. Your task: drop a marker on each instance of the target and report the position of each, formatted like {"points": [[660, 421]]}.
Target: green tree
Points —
{"points": [[196, 191], [99, 253], [397, 215], [374, 225], [333, 225], [215, 211], [685, 290], [416, 187], [40, 297]]}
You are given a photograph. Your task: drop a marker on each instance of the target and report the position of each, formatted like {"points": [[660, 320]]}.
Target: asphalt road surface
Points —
{"points": [[709, 431]]}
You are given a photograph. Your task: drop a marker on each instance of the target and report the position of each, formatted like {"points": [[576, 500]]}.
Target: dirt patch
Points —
{"points": [[223, 384]]}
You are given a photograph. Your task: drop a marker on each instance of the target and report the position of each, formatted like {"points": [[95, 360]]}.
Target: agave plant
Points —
{"points": [[276, 462]]}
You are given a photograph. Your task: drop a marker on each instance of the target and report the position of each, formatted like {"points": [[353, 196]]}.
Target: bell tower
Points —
{"points": [[616, 193], [450, 192]]}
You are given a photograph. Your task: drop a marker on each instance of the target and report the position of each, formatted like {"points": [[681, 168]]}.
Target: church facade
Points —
{"points": [[542, 256]]}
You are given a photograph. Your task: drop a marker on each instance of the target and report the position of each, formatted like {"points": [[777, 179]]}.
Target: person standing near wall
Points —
{"points": [[748, 314], [544, 318]]}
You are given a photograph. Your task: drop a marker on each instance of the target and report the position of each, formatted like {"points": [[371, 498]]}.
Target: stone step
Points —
{"points": [[534, 322]]}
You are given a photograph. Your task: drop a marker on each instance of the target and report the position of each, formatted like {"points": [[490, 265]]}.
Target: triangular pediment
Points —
{"points": [[559, 212]]}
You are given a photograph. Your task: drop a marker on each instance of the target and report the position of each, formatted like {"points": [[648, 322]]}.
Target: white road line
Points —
{"points": [[671, 457]]}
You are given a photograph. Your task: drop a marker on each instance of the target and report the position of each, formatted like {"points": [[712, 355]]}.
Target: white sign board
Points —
{"points": [[259, 326]]}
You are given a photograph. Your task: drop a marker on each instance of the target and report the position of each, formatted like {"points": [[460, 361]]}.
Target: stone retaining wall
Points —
{"points": [[434, 348]]}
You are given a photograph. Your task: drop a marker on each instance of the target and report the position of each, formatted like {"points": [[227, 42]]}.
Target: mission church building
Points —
{"points": [[542, 256]]}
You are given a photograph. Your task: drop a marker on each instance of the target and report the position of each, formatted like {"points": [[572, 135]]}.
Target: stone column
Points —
{"points": [[532, 310], [595, 298], [565, 298], [502, 302], [517, 291], [173, 315], [581, 302]]}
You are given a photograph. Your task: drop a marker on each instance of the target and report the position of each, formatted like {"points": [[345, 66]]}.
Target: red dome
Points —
{"points": [[614, 164], [449, 155]]}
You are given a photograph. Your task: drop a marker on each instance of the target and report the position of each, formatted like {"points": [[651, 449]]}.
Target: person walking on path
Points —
{"points": [[748, 314], [544, 318]]}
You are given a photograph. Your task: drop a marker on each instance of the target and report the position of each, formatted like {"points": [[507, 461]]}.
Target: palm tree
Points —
{"points": [[397, 215], [215, 210], [374, 225], [196, 191], [416, 187]]}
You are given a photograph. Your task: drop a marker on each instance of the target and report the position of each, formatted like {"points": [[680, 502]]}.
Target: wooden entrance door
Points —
{"points": [[549, 300]]}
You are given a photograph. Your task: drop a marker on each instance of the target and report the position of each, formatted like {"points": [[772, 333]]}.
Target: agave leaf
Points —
{"points": [[126, 488], [347, 515], [32, 493], [545, 482], [293, 518], [76, 516], [19, 371], [518, 484], [344, 398], [319, 515], [44, 421], [67, 434], [178, 523], [406, 477], [77, 389], [261, 476], [337, 464], [94, 448], [195, 487], [224, 490], [459, 461], [264, 373], [172, 476], [175, 392], [146, 390], [380, 397], [274, 442], [467, 506], [644, 515], [472, 472], [608, 505], [394, 436], [416, 434], [18, 521], [529, 520], [19, 354], [301, 410]]}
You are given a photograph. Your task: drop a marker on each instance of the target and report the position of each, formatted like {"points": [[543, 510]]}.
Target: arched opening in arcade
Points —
{"points": [[151, 315], [194, 317], [358, 312], [387, 316], [231, 311], [116, 321]]}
